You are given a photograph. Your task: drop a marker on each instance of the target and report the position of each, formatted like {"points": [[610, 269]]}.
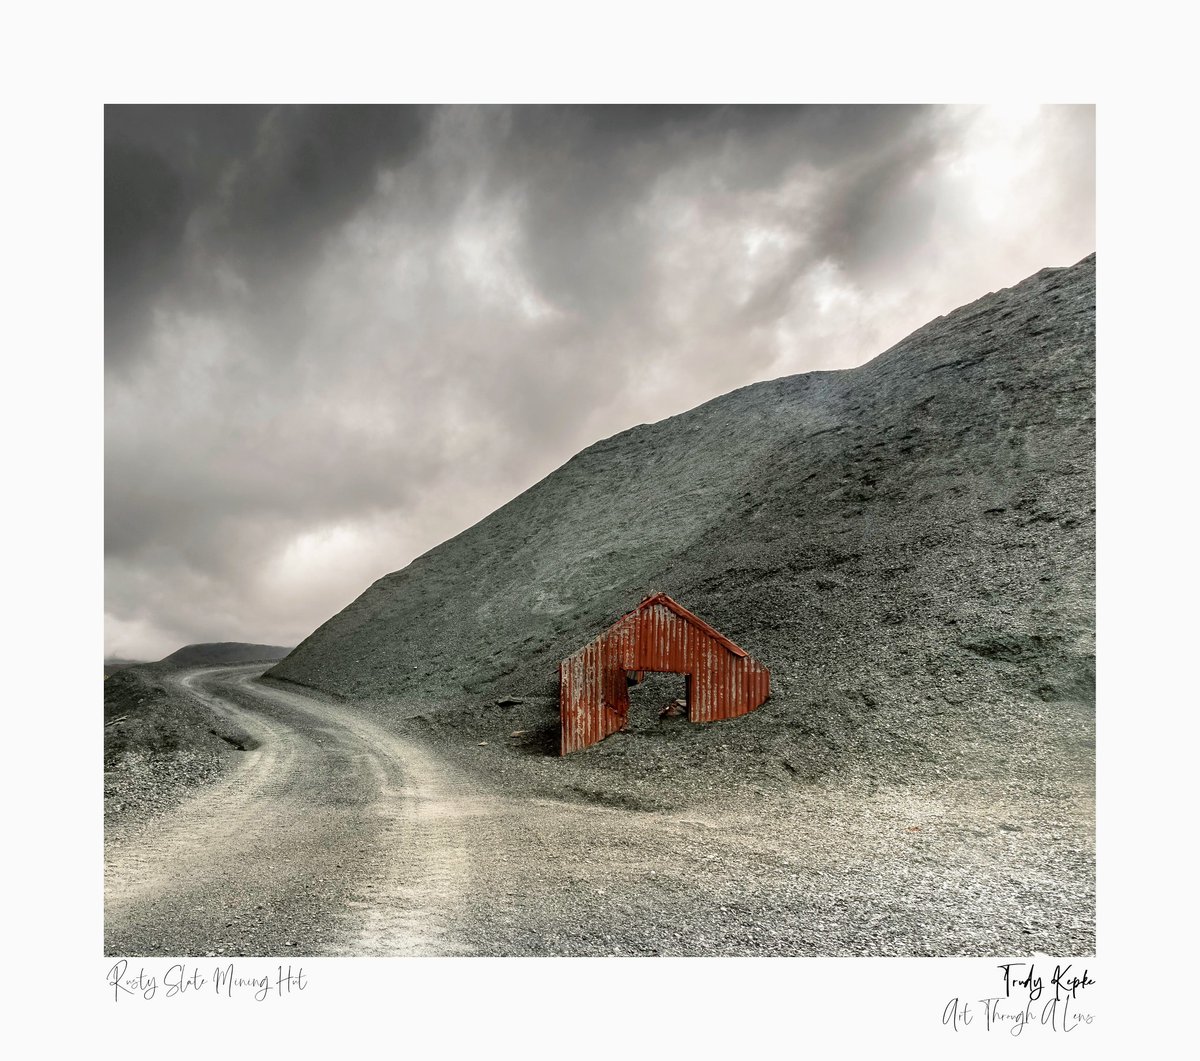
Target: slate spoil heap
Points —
{"points": [[907, 545]]}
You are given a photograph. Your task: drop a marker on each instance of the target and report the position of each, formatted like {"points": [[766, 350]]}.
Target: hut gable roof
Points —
{"points": [[691, 617]]}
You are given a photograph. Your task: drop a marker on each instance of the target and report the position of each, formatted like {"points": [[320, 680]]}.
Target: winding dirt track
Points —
{"points": [[333, 837]]}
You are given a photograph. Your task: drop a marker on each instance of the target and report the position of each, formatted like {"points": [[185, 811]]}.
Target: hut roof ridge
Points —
{"points": [[691, 617]]}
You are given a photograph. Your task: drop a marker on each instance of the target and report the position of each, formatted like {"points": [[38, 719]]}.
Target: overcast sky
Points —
{"points": [[336, 337]]}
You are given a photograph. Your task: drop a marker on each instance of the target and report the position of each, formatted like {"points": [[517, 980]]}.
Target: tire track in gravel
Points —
{"points": [[331, 837], [405, 903]]}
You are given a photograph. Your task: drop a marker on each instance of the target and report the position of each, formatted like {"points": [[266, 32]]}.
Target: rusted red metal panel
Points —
{"points": [[658, 635]]}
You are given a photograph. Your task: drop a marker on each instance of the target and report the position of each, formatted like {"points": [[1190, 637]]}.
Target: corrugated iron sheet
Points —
{"points": [[658, 635]]}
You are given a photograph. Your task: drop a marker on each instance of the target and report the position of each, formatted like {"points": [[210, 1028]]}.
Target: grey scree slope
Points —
{"points": [[908, 545]]}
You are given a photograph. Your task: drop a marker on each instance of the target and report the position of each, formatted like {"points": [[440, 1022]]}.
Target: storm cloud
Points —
{"points": [[336, 336]]}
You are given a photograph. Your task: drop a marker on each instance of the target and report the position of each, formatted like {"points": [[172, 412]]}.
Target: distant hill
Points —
{"points": [[113, 665], [907, 545], [224, 652]]}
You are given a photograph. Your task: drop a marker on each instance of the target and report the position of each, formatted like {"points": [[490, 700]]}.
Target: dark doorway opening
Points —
{"points": [[658, 701]]}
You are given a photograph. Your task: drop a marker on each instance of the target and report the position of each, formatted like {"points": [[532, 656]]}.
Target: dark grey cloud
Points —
{"points": [[261, 184], [337, 335]]}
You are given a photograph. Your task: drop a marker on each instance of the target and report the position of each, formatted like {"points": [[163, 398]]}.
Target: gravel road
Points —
{"points": [[331, 837], [338, 836]]}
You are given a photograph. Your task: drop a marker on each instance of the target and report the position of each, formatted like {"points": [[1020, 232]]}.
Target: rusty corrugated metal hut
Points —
{"points": [[658, 635]]}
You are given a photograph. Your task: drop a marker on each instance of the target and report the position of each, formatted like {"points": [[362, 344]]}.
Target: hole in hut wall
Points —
{"points": [[647, 701]]}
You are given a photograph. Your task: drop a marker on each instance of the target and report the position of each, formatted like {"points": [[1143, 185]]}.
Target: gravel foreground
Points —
{"points": [[339, 834], [708, 854]]}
